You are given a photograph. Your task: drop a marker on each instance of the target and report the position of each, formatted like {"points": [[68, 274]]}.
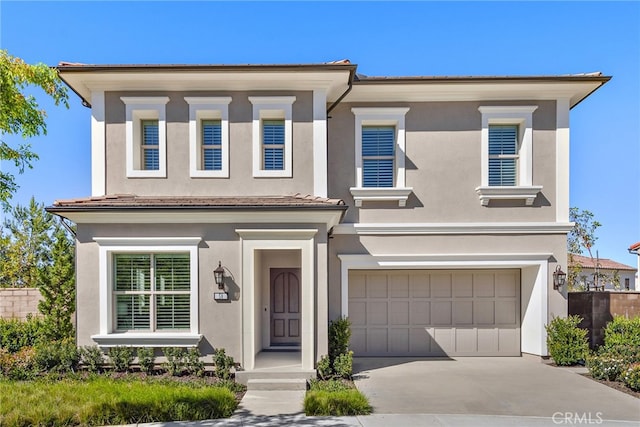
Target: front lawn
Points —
{"points": [[108, 401]]}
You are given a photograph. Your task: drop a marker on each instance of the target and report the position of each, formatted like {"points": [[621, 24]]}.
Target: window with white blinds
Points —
{"points": [[150, 145], [378, 154], [211, 145], [273, 145], [503, 155], [151, 291]]}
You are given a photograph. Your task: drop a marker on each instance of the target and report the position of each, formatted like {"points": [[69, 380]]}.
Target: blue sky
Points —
{"points": [[383, 38]]}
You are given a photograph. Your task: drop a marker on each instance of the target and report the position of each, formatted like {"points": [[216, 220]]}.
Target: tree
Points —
{"points": [[58, 288], [582, 236], [20, 113], [26, 249]]}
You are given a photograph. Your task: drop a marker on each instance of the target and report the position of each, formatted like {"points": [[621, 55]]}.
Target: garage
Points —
{"points": [[435, 312]]}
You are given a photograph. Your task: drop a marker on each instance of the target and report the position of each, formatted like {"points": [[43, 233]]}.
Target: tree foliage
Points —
{"points": [[20, 113], [581, 237]]}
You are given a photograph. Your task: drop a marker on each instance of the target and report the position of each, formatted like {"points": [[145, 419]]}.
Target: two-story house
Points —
{"points": [[432, 211]]}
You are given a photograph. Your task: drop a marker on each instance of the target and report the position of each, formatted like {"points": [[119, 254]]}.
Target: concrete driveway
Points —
{"points": [[509, 386]]}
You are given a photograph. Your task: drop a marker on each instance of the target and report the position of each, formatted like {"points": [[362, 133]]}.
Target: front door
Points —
{"points": [[285, 306]]}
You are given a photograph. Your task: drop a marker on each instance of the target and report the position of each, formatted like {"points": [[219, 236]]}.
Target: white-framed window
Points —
{"points": [[148, 291], [380, 136], [146, 136], [272, 136], [209, 136], [507, 154]]}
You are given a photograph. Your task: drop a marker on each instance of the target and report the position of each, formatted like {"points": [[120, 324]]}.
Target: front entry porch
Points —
{"points": [[276, 370]]}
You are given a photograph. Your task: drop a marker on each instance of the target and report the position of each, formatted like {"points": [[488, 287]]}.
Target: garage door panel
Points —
{"points": [[462, 312], [435, 312]]}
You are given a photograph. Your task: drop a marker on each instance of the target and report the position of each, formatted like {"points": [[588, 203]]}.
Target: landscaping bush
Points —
{"points": [[566, 342], [146, 359], [121, 358], [336, 403], [193, 363], [329, 385], [105, 401], [606, 366], [16, 334], [325, 370], [175, 360], [58, 356], [222, 364], [339, 336], [622, 331], [343, 365], [92, 358], [20, 365], [631, 377]]}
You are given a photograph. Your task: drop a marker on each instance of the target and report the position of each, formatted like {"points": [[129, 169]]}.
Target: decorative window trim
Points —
{"points": [[207, 108], [272, 107], [381, 116], [521, 115], [107, 246], [136, 110]]}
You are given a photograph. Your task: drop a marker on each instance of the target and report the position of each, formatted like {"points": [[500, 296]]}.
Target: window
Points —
{"points": [[380, 155], [272, 136], [151, 292], [208, 137], [626, 284], [145, 138], [148, 291], [507, 154]]}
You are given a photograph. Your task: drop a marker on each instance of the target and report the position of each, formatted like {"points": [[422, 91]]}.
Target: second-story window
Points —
{"points": [[273, 145], [503, 155], [211, 145], [378, 154], [150, 145]]}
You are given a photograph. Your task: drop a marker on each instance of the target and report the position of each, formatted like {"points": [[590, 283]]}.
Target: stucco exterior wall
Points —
{"points": [[241, 181], [443, 165]]}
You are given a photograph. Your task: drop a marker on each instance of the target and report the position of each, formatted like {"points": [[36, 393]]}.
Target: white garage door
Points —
{"points": [[435, 312]]}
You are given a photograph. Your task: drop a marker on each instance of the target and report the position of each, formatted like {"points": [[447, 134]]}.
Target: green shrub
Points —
{"points": [[92, 358], [146, 359], [631, 377], [58, 356], [339, 336], [566, 342], [606, 366], [121, 358], [336, 403], [20, 365], [329, 385], [630, 353], [325, 370], [622, 332], [343, 365], [193, 363], [222, 364], [16, 334], [175, 360]]}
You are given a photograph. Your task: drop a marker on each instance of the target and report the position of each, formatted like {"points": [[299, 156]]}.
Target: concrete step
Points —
{"points": [[243, 377], [277, 384]]}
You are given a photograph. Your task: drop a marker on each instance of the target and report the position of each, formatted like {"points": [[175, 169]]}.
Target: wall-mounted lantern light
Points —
{"points": [[559, 278], [218, 275]]}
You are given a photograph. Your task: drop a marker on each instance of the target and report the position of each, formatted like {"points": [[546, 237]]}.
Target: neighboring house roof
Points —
{"points": [[604, 263], [634, 248], [132, 201]]}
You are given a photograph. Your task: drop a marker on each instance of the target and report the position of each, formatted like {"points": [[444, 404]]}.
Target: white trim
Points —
{"points": [[98, 145], [394, 116], [272, 107], [137, 109], [562, 159], [205, 108], [110, 245], [155, 339], [361, 194], [255, 240], [453, 228], [521, 115], [328, 217], [320, 143], [526, 193], [534, 312]]}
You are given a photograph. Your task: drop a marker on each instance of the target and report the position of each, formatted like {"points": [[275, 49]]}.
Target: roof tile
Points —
{"points": [[604, 263]]}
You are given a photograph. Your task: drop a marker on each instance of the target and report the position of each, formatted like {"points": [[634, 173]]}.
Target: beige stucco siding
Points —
{"points": [[240, 181], [443, 165]]}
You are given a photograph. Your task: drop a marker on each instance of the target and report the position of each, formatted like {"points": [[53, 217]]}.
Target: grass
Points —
{"points": [[107, 401], [335, 398]]}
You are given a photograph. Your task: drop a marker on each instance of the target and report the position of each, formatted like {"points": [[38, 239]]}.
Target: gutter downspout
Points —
{"points": [[352, 73]]}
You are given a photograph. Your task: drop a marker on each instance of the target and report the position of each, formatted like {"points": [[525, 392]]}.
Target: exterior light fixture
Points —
{"points": [[559, 277], [218, 275]]}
